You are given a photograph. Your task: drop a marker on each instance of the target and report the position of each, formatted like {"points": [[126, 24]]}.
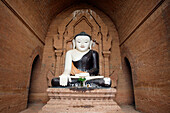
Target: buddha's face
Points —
{"points": [[82, 43]]}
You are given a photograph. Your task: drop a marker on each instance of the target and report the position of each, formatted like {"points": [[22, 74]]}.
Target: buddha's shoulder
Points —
{"points": [[71, 51], [94, 52]]}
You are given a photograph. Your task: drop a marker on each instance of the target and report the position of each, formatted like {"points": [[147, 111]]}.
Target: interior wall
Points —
{"points": [[18, 48], [144, 41], [142, 27], [37, 14], [34, 13]]}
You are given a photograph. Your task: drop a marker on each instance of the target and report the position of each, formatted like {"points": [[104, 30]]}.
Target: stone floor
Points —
{"points": [[34, 108], [129, 109]]}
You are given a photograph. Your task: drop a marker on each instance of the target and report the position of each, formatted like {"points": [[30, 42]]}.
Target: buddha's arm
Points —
{"points": [[66, 74], [95, 69], [68, 64]]}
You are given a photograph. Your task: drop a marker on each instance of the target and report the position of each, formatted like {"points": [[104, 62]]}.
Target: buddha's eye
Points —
{"points": [[85, 42]]}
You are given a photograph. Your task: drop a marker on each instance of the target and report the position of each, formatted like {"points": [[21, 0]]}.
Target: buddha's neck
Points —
{"points": [[82, 52]]}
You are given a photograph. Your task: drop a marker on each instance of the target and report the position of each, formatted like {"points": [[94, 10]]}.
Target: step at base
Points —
{"points": [[64, 100]]}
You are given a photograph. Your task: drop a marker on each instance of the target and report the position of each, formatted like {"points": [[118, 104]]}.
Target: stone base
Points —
{"points": [[65, 100]]}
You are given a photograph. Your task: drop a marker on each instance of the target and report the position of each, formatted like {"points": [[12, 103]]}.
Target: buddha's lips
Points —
{"points": [[82, 46]]}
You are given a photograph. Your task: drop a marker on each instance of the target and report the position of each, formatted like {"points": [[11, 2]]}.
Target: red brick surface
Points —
{"points": [[143, 38], [18, 48], [147, 51]]}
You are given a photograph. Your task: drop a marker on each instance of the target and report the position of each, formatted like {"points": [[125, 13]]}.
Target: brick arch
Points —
{"points": [[99, 33], [35, 52], [61, 34], [79, 21], [35, 69], [126, 87], [127, 54]]}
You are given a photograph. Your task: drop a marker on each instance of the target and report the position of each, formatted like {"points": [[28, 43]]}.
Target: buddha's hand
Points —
{"points": [[64, 78], [107, 81]]}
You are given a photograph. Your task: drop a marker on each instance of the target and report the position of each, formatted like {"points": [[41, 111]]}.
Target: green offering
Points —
{"points": [[81, 80]]}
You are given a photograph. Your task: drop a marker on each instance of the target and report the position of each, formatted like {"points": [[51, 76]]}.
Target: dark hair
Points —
{"points": [[82, 34]]}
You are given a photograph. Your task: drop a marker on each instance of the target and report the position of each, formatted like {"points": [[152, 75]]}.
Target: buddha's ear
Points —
{"points": [[91, 43], [74, 45]]}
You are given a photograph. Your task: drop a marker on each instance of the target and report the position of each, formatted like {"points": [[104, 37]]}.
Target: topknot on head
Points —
{"points": [[83, 34]]}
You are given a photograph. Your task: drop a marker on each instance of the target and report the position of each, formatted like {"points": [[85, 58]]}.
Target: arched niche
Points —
{"points": [[34, 80], [129, 79], [88, 21], [67, 24], [126, 91]]}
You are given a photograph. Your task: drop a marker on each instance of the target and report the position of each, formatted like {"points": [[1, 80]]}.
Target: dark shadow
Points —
{"points": [[130, 80]]}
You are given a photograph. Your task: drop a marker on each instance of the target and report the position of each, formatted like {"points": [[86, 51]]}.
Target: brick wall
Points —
{"points": [[34, 13], [144, 41], [18, 48], [142, 27]]}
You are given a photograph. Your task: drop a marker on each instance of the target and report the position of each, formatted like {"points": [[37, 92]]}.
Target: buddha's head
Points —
{"points": [[82, 42]]}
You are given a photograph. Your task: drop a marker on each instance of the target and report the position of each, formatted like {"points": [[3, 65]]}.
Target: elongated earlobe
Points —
{"points": [[91, 43], [74, 45]]}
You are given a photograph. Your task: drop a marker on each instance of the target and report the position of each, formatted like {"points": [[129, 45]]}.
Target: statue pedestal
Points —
{"points": [[65, 100]]}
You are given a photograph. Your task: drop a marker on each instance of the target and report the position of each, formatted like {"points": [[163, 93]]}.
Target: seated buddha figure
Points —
{"points": [[81, 62]]}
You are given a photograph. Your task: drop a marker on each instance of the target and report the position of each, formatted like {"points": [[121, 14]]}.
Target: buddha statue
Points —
{"points": [[81, 62]]}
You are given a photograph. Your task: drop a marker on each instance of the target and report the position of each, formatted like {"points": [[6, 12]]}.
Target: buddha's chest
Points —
{"points": [[78, 55], [85, 62]]}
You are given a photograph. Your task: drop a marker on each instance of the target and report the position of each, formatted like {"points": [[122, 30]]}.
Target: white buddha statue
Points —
{"points": [[81, 62]]}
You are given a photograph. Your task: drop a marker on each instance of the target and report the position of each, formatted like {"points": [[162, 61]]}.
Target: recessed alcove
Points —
{"points": [[92, 21], [34, 86], [129, 80]]}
